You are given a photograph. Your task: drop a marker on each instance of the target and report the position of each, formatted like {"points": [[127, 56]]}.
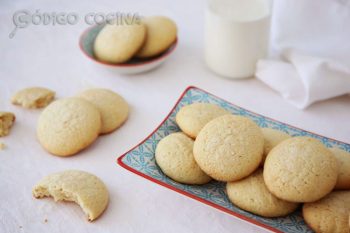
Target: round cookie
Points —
{"points": [[252, 195], [67, 126], [272, 137], [192, 118], [33, 97], [118, 42], [229, 148], [343, 157], [113, 108], [83, 188], [161, 33], [330, 214], [175, 158], [300, 169]]}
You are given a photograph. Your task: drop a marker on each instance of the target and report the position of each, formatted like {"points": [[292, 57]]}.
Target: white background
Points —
{"points": [[49, 56]]}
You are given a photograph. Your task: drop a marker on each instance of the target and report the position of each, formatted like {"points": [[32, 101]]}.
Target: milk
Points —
{"points": [[236, 36]]}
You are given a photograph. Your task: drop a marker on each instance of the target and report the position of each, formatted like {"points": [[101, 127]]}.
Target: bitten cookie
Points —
{"points": [[6, 121], [118, 42], [330, 214], [67, 126], [175, 158], [192, 118], [161, 33], [33, 97], [229, 148], [251, 194], [83, 188], [272, 138], [300, 169], [343, 157], [113, 108]]}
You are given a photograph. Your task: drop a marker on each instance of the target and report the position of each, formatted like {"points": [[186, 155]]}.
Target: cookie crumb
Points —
{"points": [[45, 221], [6, 121], [2, 146]]}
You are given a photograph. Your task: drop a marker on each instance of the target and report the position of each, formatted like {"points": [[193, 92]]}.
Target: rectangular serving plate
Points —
{"points": [[140, 160]]}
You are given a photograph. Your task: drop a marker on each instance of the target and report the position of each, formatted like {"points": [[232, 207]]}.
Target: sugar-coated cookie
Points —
{"points": [[229, 147], [174, 156], [113, 108], [69, 125], [252, 195], [300, 169], [343, 157], [33, 97], [117, 42], [161, 33], [272, 137], [6, 121], [192, 118], [330, 214], [83, 188]]}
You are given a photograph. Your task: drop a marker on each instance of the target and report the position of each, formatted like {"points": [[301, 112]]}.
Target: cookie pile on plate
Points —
{"points": [[268, 172], [118, 42]]}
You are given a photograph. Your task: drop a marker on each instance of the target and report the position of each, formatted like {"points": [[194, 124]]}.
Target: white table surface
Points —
{"points": [[49, 56]]}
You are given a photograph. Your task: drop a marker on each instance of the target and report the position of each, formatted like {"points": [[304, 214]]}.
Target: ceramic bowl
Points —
{"points": [[133, 66]]}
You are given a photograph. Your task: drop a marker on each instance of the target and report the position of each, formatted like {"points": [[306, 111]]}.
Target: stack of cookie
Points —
{"points": [[69, 125], [268, 172], [119, 42]]}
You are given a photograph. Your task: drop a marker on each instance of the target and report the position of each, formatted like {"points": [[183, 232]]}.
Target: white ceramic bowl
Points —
{"points": [[133, 66]]}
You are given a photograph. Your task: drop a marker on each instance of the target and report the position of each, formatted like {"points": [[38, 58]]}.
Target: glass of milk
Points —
{"points": [[236, 36]]}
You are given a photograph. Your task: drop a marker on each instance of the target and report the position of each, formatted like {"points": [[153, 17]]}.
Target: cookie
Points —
{"points": [[113, 108], [343, 157], [272, 137], [118, 41], [83, 188], [33, 97], [252, 195], [300, 169], [161, 33], [175, 158], [6, 121], [330, 214], [67, 126], [229, 147], [192, 118]]}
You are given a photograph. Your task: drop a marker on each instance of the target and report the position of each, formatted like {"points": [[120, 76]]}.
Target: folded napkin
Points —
{"points": [[310, 51]]}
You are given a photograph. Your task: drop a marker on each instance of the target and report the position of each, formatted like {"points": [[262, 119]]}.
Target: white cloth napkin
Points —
{"points": [[310, 51]]}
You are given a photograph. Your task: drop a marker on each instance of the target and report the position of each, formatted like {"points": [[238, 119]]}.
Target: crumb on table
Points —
{"points": [[2, 146]]}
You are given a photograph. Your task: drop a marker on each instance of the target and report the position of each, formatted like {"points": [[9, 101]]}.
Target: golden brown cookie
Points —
{"points": [[192, 118], [330, 214], [117, 42], [252, 195], [300, 169], [229, 148], [174, 155], [113, 108], [343, 157], [69, 125], [161, 33], [33, 97], [83, 188]]}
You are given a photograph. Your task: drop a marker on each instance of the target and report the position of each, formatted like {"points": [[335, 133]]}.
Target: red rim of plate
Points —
{"points": [[122, 65], [122, 164]]}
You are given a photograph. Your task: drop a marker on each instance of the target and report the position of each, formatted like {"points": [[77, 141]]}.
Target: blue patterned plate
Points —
{"points": [[140, 160]]}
